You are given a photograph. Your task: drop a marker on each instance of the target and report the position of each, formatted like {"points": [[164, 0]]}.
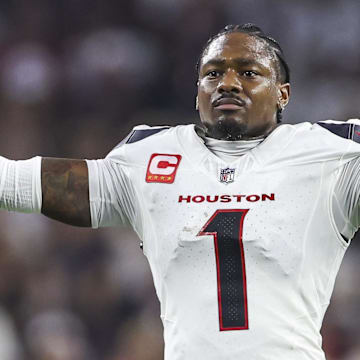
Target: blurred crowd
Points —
{"points": [[75, 77]]}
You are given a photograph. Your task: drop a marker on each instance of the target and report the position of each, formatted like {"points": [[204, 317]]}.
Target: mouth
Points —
{"points": [[228, 104]]}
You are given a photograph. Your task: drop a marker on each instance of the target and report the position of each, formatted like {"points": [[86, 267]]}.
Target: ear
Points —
{"points": [[283, 95], [197, 103]]}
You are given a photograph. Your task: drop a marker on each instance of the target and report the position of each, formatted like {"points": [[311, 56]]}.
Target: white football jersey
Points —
{"points": [[243, 254]]}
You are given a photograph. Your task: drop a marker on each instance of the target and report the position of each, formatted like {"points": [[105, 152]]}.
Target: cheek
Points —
{"points": [[264, 93], [204, 94], [263, 87], [206, 88]]}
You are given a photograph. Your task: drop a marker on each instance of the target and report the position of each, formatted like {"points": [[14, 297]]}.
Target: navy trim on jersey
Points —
{"points": [[345, 130], [345, 238], [140, 134]]}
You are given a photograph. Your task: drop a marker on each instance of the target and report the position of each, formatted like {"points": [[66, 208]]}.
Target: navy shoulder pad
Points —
{"points": [[140, 134], [345, 130]]}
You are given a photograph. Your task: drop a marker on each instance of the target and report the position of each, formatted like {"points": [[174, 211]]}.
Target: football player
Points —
{"points": [[244, 220]]}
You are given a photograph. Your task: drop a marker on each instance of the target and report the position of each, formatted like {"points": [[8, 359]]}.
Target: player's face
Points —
{"points": [[238, 88]]}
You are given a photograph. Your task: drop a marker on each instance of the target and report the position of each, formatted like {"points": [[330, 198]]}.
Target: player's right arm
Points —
{"points": [[84, 193], [58, 188], [93, 193], [65, 191]]}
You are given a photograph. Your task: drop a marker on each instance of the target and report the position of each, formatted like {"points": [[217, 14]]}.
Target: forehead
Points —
{"points": [[239, 46]]}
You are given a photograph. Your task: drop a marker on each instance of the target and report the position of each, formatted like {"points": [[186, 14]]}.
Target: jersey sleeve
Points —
{"points": [[112, 182], [112, 196], [346, 204], [346, 196]]}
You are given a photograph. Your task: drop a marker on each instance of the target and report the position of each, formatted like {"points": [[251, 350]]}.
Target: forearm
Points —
{"points": [[65, 191], [58, 188], [20, 185]]}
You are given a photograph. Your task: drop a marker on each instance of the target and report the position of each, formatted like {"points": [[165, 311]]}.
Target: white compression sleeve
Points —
{"points": [[20, 185]]}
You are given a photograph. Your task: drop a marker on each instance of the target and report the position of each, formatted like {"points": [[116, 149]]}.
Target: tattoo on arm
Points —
{"points": [[65, 191]]}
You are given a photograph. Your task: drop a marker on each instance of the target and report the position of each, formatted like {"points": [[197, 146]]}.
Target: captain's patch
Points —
{"points": [[162, 168]]}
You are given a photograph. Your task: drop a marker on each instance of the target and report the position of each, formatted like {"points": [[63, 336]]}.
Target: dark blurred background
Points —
{"points": [[75, 77]]}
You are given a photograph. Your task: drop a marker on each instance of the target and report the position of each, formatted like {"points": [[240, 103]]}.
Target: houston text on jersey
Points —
{"points": [[225, 198]]}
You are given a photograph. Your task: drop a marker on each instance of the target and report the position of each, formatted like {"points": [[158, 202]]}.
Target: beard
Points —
{"points": [[226, 129]]}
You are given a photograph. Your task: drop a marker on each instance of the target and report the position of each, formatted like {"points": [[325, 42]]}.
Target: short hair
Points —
{"points": [[283, 70]]}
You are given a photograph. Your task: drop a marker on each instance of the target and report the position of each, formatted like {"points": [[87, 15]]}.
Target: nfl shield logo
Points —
{"points": [[227, 175]]}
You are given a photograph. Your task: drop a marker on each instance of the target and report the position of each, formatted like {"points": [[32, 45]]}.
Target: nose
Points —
{"points": [[230, 82]]}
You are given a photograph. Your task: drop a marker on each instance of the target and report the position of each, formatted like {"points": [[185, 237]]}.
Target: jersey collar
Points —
{"points": [[265, 152]]}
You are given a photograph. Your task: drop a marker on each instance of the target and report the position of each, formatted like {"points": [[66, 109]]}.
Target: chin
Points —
{"points": [[231, 128]]}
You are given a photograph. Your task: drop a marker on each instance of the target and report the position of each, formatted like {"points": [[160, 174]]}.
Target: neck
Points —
{"points": [[204, 131]]}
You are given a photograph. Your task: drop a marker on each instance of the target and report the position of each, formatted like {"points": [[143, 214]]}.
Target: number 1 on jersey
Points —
{"points": [[226, 226]]}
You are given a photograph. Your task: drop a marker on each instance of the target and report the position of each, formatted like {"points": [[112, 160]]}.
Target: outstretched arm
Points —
{"points": [[65, 191], [59, 189]]}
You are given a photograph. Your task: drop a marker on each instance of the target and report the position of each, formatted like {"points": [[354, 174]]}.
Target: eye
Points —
{"points": [[212, 74], [250, 73]]}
